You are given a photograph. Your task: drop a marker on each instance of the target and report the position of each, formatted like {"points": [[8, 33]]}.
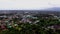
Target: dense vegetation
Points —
{"points": [[43, 26]]}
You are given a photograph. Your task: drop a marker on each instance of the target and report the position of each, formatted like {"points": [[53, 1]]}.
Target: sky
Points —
{"points": [[28, 4]]}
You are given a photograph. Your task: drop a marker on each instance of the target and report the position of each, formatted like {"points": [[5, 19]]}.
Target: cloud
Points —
{"points": [[55, 3], [27, 4]]}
